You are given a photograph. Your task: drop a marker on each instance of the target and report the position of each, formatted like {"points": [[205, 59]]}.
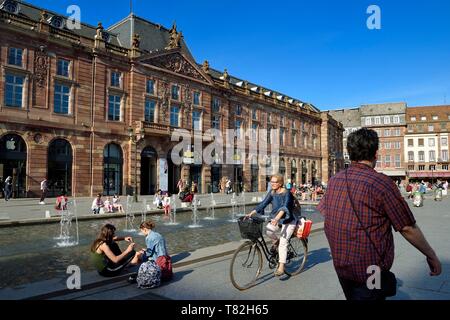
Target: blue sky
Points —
{"points": [[317, 51]]}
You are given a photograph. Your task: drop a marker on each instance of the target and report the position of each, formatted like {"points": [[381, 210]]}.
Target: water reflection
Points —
{"points": [[29, 253]]}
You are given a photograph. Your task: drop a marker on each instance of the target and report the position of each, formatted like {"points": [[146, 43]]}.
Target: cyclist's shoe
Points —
{"points": [[278, 273]]}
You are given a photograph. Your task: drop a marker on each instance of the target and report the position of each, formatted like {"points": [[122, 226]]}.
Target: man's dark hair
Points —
{"points": [[362, 144]]}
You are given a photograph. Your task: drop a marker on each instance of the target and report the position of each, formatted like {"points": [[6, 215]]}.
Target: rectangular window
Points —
{"points": [[413, 118], [13, 90], [430, 128], [196, 98], [368, 121], [377, 120], [150, 106], [254, 131], [174, 116], [378, 165], [421, 156], [238, 110], [387, 132], [432, 155], [15, 56], [431, 142], [397, 161], [421, 167], [443, 125], [411, 156], [237, 127], [281, 136], [63, 68], [114, 107], [444, 141], [444, 155], [421, 142], [253, 114], [293, 139], [196, 118], [445, 167], [411, 167], [175, 92], [61, 98], [397, 144], [410, 142], [293, 125], [387, 145], [387, 120], [410, 128], [216, 105], [115, 79], [432, 167], [423, 118], [396, 119], [387, 161], [215, 122], [150, 87], [397, 132], [420, 127], [435, 117]]}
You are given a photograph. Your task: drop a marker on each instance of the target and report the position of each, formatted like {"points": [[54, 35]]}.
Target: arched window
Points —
{"points": [[59, 167], [112, 169], [13, 159]]}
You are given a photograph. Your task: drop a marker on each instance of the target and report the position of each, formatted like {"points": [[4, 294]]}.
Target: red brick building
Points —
{"points": [[95, 109]]}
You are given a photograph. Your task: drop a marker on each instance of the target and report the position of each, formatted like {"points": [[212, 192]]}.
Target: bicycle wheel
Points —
{"points": [[296, 257], [246, 265]]}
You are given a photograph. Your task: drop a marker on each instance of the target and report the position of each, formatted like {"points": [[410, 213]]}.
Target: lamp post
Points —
{"points": [[135, 138]]}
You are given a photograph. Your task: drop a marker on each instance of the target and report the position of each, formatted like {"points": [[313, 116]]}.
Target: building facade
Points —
{"points": [[100, 111], [426, 142]]}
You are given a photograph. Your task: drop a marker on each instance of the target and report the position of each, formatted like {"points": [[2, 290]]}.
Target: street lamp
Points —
{"points": [[135, 138]]}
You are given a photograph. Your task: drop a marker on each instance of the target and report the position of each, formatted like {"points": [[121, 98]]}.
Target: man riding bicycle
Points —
{"points": [[282, 214]]}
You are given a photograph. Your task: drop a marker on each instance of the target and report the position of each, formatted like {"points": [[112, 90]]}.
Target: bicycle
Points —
{"points": [[247, 261]]}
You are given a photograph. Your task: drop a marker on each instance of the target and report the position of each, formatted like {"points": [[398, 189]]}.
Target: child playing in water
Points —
{"points": [[166, 204]]}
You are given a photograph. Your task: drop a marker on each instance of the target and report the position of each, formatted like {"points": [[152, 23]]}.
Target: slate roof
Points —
{"points": [[152, 36], [350, 118], [383, 109], [34, 13]]}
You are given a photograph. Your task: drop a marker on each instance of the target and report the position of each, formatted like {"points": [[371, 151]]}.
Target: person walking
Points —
{"points": [[360, 207], [44, 189], [8, 188]]}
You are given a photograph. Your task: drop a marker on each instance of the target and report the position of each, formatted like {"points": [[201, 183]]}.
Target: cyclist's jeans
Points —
{"points": [[286, 232]]}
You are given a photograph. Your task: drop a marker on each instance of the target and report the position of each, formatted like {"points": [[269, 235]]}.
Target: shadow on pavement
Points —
{"points": [[316, 257], [180, 256]]}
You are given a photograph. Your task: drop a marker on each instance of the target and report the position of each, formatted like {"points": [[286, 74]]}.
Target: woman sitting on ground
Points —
{"points": [[155, 242], [116, 203], [186, 195], [282, 215], [106, 255]]}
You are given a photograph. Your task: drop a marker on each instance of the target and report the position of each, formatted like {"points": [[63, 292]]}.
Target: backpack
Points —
{"points": [[149, 275], [165, 264]]}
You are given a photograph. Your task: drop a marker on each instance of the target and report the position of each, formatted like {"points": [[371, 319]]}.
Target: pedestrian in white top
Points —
{"points": [[44, 189]]}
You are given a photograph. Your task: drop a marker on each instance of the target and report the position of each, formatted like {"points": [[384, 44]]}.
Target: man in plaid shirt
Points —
{"points": [[379, 205]]}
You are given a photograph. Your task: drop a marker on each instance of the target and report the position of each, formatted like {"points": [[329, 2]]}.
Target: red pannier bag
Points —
{"points": [[303, 229]]}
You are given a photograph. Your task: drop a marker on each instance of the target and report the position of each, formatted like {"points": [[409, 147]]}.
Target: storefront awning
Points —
{"points": [[429, 174]]}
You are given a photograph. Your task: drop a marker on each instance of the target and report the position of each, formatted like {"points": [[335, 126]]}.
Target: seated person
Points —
{"points": [[106, 255], [97, 204], [61, 202], [158, 199], [186, 195], [116, 203], [108, 205], [155, 242]]}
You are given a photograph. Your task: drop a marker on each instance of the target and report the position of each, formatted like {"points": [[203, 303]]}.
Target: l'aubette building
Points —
{"points": [[93, 109]]}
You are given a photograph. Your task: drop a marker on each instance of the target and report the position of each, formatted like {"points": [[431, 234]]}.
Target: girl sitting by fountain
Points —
{"points": [[116, 203], [61, 202], [106, 255], [108, 205], [156, 249], [166, 204]]}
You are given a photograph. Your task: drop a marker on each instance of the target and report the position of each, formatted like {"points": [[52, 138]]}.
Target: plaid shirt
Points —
{"points": [[379, 205]]}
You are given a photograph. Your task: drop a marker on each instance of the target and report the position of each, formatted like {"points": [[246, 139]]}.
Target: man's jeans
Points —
{"points": [[357, 291]]}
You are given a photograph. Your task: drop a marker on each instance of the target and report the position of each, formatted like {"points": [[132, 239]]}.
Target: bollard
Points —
{"points": [[47, 214]]}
